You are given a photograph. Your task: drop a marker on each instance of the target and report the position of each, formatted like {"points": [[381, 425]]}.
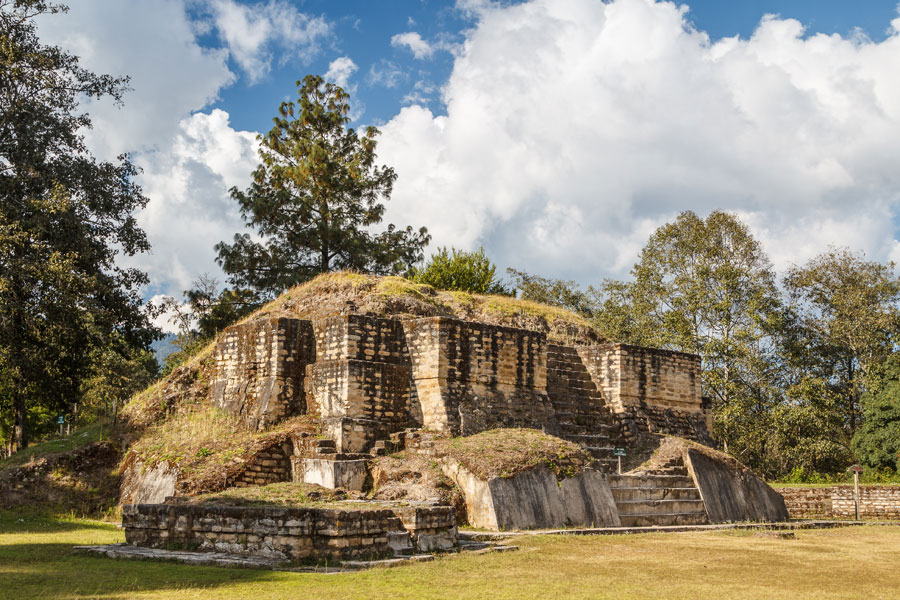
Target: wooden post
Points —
{"points": [[857, 469]]}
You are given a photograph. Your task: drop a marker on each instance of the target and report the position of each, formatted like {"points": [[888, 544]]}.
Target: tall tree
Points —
{"points": [[314, 199], [848, 321], [64, 217], [706, 286]]}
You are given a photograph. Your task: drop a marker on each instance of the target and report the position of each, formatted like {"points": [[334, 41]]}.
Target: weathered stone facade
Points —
{"points": [[285, 533], [260, 368], [470, 377], [650, 390], [837, 502], [367, 378]]}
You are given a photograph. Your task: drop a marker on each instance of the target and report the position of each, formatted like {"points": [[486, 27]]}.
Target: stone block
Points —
{"points": [[333, 474]]}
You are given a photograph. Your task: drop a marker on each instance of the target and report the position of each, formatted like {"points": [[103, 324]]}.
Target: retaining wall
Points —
{"points": [[837, 502]]}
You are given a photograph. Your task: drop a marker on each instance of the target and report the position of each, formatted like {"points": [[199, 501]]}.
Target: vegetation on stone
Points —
{"points": [[275, 494], [506, 452], [458, 270]]}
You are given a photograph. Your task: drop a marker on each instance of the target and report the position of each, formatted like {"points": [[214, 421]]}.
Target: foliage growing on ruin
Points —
{"points": [[277, 494], [506, 452], [314, 199], [207, 445], [459, 270]]}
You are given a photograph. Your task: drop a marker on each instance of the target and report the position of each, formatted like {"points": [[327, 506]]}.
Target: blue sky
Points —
{"points": [[363, 30], [558, 134]]}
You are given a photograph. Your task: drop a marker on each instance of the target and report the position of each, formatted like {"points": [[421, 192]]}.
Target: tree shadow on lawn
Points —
{"points": [[53, 570]]}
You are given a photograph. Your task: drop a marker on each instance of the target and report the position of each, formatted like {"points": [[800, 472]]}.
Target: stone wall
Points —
{"points": [[837, 502], [260, 366], [287, 533], [360, 385], [650, 390], [470, 377], [271, 465]]}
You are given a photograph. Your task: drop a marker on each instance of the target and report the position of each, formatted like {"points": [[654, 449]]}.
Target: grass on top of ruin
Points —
{"points": [[846, 563]]}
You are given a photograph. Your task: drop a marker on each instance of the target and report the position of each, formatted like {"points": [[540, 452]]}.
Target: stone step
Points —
{"points": [[325, 443], [674, 493], [661, 520], [650, 481], [590, 439], [322, 450], [599, 452], [659, 507]]}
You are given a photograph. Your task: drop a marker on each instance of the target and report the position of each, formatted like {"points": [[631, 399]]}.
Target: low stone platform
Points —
{"points": [[293, 533]]}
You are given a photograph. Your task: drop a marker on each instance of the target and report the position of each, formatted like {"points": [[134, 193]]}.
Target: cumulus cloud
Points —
{"points": [[340, 70], [190, 209], [412, 40], [252, 32], [190, 159], [574, 129], [167, 83]]}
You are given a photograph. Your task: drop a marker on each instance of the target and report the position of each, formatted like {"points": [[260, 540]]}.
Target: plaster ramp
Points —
{"points": [[535, 499], [731, 494]]}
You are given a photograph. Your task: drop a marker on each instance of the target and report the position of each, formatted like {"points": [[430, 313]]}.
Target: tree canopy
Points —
{"points": [[315, 198], [64, 218]]}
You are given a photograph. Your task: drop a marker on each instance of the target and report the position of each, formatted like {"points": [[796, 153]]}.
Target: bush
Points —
{"points": [[452, 269]]}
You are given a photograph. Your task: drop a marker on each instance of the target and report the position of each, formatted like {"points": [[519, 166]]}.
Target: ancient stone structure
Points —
{"points": [[838, 502], [260, 369], [367, 378], [290, 533]]}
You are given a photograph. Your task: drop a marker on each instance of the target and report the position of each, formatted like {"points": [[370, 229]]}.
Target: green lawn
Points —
{"points": [[856, 562]]}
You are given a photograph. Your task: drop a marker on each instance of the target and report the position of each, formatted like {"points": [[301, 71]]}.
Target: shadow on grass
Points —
{"points": [[51, 570]]}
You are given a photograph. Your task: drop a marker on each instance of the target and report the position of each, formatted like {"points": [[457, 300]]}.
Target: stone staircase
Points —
{"points": [[665, 496], [580, 410]]}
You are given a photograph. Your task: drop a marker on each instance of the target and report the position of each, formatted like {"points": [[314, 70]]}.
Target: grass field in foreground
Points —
{"points": [[854, 562]]}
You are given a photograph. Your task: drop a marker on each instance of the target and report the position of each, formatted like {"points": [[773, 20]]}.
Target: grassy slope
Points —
{"points": [[80, 437], [830, 564]]}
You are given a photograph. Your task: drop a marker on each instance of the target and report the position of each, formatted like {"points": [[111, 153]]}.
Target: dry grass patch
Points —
{"points": [[275, 494], [208, 446], [851, 563], [506, 452]]}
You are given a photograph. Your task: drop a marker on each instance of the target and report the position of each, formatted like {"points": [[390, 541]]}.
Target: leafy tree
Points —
{"points": [[117, 372], [847, 320], [314, 200], [554, 292], [452, 269], [706, 286], [877, 441], [64, 217]]}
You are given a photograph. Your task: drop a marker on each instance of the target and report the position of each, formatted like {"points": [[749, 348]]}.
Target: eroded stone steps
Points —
{"points": [[645, 507], [660, 520], [650, 494], [658, 498]]}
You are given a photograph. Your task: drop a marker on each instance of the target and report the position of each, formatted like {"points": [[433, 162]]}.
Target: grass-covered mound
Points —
{"points": [[207, 446], [507, 452], [671, 448], [275, 494], [342, 293]]}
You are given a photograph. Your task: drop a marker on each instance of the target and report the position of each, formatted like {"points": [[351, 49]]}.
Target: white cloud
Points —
{"points": [[575, 128], [340, 70], [168, 82], [412, 40], [386, 73], [189, 160], [190, 209], [252, 32]]}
